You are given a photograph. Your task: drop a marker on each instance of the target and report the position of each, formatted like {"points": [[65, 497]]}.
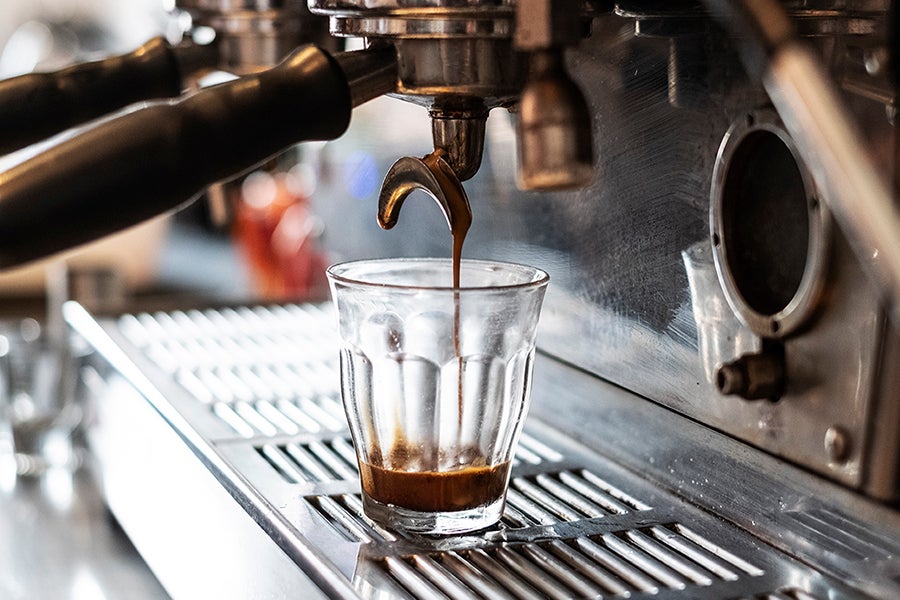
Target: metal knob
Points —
{"points": [[759, 376], [554, 127]]}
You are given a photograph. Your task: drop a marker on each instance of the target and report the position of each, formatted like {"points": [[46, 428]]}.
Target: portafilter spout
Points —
{"points": [[433, 175]]}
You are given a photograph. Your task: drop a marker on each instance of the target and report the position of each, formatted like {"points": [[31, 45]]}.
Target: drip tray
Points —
{"points": [[251, 392]]}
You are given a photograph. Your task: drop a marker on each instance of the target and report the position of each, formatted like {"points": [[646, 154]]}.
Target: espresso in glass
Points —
{"points": [[435, 381]]}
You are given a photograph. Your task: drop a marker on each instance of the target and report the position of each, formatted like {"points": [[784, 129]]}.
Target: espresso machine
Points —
{"points": [[712, 188]]}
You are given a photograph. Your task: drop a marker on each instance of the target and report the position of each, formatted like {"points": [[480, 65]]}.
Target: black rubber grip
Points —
{"points": [[37, 105], [142, 163]]}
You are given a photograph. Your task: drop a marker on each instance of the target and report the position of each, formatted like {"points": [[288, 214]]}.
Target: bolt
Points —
{"points": [[837, 444], [753, 376], [731, 379]]}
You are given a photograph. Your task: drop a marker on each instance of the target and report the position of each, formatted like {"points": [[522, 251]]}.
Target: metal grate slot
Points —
{"points": [[838, 533], [335, 459], [788, 594], [567, 496], [483, 561], [248, 412], [557, 580], [193, 384], [535, 452], [220, 392], [527, 513], [420, 587], [545, 572], [283, 417], [233, 420], [281, 463], [704, 552], [612, 491], [344, 514], [609, 565], [687, 570], [235, 385], [327, 410], [276, 417], [526, 571], [278, 386], [167, 356], [259, 389], [442, 577], [608, 583], [475, 580], [614, 566], [660, 572], [550, 504], [313, 462]]}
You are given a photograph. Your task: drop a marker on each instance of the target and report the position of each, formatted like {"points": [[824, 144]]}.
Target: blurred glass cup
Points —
{"points": [[436, 383], [37, 414]]}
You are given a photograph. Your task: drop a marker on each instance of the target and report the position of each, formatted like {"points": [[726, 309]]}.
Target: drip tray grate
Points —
{"points": [[620, 563], [548, 499], [259, 387], [334, 459]]}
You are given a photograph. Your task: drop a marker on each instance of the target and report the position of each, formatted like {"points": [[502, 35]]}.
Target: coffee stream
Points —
{"points": [[460, 219], [432, 490], [433, 175]]}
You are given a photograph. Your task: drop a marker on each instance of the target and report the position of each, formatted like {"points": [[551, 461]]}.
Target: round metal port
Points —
{"points": [[770, 233]]}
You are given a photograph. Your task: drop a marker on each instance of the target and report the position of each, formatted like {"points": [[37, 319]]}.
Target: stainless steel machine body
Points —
{"points": [[706, 237], [716, 406]]}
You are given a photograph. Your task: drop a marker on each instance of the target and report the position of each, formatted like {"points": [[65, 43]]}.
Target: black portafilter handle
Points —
{"points": [[146, 161], [38, 105]]}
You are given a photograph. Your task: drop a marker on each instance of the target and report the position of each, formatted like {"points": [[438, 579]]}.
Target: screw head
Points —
{"points": [[837, 444]]}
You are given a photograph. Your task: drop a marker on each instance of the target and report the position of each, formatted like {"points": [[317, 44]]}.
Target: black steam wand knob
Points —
{"points": [[37, 105]]}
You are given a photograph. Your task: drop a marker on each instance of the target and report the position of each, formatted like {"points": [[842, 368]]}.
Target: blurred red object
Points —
{"points": [[276, 234]]}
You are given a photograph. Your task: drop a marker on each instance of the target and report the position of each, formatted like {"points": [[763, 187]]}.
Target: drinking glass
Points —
{"points": [[435, 382]]}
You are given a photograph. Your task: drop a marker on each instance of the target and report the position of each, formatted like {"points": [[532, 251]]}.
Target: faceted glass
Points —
{"points": [[436, 382]]}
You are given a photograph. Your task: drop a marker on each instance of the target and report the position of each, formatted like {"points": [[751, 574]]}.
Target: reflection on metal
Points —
{"points": [[576, 524], [253, 35]]}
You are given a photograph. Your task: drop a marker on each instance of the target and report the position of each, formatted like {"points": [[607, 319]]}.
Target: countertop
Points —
{"points": [[59, 541]]}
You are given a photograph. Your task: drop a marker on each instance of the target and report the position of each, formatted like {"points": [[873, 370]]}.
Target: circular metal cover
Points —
{"points": [[770, 233]]}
